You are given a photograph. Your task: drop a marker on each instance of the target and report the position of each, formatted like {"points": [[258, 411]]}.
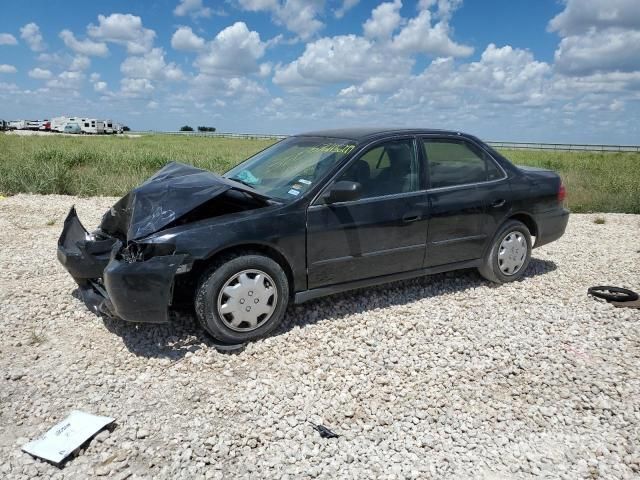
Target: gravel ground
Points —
{"points": [[441, 377]]}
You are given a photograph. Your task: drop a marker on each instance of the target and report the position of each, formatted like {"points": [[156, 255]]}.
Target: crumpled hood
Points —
{"points": [[172, 192]]}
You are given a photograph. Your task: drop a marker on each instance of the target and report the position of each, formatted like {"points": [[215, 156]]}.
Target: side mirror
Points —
{"points": [[343, 191]]}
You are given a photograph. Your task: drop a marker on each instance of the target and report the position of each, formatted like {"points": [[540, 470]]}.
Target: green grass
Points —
{"points": [[89, 166], [596, 182]]}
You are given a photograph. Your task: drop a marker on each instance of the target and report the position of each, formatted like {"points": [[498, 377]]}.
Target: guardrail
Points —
{"points": [[215, 134], [566, 147], [507, 145]]}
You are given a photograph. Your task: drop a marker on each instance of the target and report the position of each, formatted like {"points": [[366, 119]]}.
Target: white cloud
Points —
{"points": [[234, 51], [194, 8], [419, 35], [136, 87], [378, 59], [619, 83], [79, 63], [84, 47], [580, 16], [344, 58], [345, 7], [265, 69], [504, 75], [445, 8], [385, 19], [616, 106], [8, 88], [298, 16], [7, 39], [123, 29], [598, 37], [54, 59], [507, 74], [185, 39], [100, 87], [597, 51], [151, 66], [30, 33], [239, 89], [243, 86], [67, 80], [65, 61], [40, 74], [352, 97], [4, 68]]}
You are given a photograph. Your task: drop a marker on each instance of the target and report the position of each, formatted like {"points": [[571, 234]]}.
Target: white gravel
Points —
{"points": [[441, 377]]}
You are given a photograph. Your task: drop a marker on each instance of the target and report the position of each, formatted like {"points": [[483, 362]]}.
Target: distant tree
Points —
{"points": [[186, 128], [206, 129], [126, 129]]}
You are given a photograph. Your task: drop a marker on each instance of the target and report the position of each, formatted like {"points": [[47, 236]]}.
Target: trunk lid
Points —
{"points": [[535, 171]]}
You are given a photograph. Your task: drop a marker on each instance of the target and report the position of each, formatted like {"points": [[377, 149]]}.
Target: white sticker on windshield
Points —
{"points": [[293, 192], [306, 182]]}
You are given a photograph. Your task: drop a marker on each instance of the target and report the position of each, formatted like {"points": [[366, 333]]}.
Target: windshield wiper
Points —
{"points": [[253, 193], [247, 184]]}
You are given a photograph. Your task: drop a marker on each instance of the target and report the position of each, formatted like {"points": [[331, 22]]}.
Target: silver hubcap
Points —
{"points": [[247, 300], [512, 253]]}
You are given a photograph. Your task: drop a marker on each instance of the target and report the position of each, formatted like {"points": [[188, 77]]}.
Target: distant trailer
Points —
{"points": [[108, 127], [17, 125], [112, 127], [33, 124], [58, 123], [91, 126]]}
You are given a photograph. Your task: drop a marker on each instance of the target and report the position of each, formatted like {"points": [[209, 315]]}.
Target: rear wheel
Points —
{"points": [[509, 255], [242, 297]]}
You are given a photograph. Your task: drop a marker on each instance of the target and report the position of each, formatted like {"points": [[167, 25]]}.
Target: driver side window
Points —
{"points": [[386, 169]]}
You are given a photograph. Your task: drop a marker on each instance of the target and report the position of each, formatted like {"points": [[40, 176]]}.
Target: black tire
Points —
{"points": [[215, 278], [490, 268], [613, 294]]}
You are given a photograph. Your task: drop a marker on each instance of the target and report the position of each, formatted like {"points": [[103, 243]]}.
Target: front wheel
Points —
{"points": [[242, 298], [509, 254]]}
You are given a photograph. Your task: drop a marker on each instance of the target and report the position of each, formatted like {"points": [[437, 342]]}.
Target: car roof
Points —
{"points": [[368, 133]]}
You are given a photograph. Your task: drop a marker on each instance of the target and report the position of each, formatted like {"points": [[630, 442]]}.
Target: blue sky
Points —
{"points": [[524, 70]]}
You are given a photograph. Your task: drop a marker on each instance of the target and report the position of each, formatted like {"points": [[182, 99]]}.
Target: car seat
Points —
{"points": [[397, 178]]}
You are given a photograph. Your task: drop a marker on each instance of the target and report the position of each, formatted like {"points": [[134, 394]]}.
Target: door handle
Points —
{"points": [[410, 217], [498, 203]]}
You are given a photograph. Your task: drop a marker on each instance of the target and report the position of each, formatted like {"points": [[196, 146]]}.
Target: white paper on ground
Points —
{"points": [[61, 440]]}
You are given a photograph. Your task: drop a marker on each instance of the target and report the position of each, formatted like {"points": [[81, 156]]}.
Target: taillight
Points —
{"points": [[562, 193]]}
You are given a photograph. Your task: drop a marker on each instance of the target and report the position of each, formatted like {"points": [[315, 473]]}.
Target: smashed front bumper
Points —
{"points": [[136, 291]]}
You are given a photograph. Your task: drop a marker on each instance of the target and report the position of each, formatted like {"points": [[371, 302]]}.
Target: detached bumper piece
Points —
{"points": [[134, 291]]}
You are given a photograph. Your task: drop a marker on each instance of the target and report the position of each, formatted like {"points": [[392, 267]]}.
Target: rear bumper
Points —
{"points": [[136, 291], [551, 226]]}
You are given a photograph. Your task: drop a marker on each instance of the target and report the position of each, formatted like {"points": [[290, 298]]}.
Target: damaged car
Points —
{"points": [[309, 216]]}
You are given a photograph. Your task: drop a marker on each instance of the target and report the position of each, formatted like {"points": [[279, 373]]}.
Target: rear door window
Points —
{"points": [[454, 162]]}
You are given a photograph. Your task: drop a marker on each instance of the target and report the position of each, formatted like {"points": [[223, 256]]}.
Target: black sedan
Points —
{"points": [[312, 215]]}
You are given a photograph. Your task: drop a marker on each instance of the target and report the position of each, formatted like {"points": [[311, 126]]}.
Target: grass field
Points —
{"points": [[87, 166]]}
